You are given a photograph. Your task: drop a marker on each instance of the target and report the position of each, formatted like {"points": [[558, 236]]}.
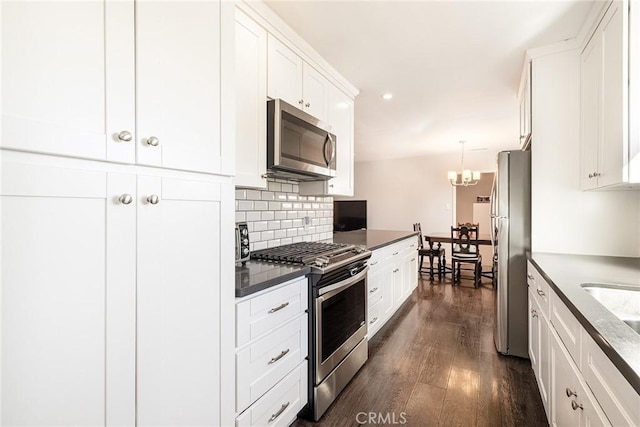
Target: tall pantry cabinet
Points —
{"points": [[116, 207]]}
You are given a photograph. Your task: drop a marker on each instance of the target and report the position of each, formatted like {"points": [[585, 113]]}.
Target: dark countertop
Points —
{"points": [[255, 276], [566, 273], [372, 239]]}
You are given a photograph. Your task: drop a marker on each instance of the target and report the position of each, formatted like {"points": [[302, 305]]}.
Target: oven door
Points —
{"points": [[341, 312]]}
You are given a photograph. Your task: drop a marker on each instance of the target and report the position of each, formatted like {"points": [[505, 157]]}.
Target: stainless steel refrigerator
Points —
{"points": [[511, 235]]}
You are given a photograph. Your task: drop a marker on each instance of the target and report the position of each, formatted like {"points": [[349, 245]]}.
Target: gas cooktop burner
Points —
{"points": [[317, 255]]}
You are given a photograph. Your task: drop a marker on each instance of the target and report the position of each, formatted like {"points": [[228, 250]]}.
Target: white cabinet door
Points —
{"points": [[340, 117], [178, 85], [539, 349], [251, 102], [398, 296], [315, 92], [67, 246], [68, 76], [408, 274], [534, 335], [564, 383], [284, 75], [590, 99], [178, 353], [614, 144], [387, 291]]}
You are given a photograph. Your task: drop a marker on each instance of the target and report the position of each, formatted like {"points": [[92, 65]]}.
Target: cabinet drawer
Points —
{"points": [[375, 320], [374, 285], [618, 399], [259, 315], [378, 259], [567, 327], [540, 288], [266, 361], [280, 406]]}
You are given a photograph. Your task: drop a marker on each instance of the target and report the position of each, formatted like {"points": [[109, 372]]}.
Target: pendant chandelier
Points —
{"points": [[466, 176]]}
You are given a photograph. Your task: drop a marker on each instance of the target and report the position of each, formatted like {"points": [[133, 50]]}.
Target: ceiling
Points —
{"points": [[453, 67]]}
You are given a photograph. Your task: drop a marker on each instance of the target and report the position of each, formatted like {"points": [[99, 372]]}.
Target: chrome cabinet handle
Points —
{"points": [[590, 175], [594, 175], [375, 319], [308, 104], [575, 406], [280, 411], [570, 392], [373, 290], [153, 141], [396, 270], [529, 276], [125, 136], [395, 253], [413, 259], [301, 102], [540, 292], [153, 199], [278, 357], [125, 199], [330, 185], [278, 308], [534, 313], [373, 263]]}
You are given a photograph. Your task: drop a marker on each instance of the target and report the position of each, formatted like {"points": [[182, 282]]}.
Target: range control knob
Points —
{"points": [[245, 251], [244, 231], [245, 241]]}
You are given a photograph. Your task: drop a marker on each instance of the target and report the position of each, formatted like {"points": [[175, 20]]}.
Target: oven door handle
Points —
{"points": [[328, 291]]}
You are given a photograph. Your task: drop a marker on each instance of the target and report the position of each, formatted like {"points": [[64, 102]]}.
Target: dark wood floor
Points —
{"points": [[434, 364]]}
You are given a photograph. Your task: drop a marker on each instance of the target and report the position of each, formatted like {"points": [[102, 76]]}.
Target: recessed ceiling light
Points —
{"points": [[387, 96]]}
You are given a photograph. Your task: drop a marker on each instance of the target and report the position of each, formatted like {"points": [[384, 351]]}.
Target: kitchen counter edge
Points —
{"points": [[608, 343], [256, 276], [372, 239]]}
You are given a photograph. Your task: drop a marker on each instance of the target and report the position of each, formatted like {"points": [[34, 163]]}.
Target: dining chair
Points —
{"points": [[437, 254], [465, 251]]}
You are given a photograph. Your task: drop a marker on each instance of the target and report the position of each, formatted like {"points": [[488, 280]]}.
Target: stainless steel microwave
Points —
{"points": [[299, 146]]}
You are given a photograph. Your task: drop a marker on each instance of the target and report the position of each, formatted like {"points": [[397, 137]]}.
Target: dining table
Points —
{"points": [[441, 237]]}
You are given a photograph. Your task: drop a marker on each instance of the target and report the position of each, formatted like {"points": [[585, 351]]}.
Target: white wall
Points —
{"points": [[401, 192], [565, 219]]}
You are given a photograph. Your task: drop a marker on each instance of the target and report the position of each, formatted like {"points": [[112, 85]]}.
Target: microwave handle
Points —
{"points": [[333, 149]]}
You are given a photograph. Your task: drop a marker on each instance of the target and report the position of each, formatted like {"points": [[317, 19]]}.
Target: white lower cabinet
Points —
{"points": [[272, 346], [572, 403], [393, 276], [110, 295], [578, 384]]}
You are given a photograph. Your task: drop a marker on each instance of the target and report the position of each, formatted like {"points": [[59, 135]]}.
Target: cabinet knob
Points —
{"points": [[153, 199], [396, 270], [575, 406], [590, 175], [153, 141], [301, 102], [596, 174], [125, 199], [330, 185], [308, 104], [570, 392], [534, 314], [125, 136], [540, 292], [374, 320], [529, 276]]}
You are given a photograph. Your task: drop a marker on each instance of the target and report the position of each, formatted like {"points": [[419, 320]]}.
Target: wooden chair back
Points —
{"points": [[464, 240]]}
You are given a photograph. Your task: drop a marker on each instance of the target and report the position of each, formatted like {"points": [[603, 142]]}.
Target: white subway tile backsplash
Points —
{"points": [[244, 205], [253, 195], [261, 205], [277, 216], [260, 225], [274, 225], [274, 186], [253, 216]]}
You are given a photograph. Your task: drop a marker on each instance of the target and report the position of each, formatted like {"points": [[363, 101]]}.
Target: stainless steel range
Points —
{"points": [[337, 314]]}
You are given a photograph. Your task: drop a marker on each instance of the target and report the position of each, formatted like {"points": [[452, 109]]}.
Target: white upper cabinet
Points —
{"points": [[251, 102], [604, 89], [525, 108], [295, 81], [114, 80], [178, 85], [340, 117], [67, 78]]}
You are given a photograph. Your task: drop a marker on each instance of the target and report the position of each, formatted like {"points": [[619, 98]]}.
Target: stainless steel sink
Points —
{"points": [[621, 300]]}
